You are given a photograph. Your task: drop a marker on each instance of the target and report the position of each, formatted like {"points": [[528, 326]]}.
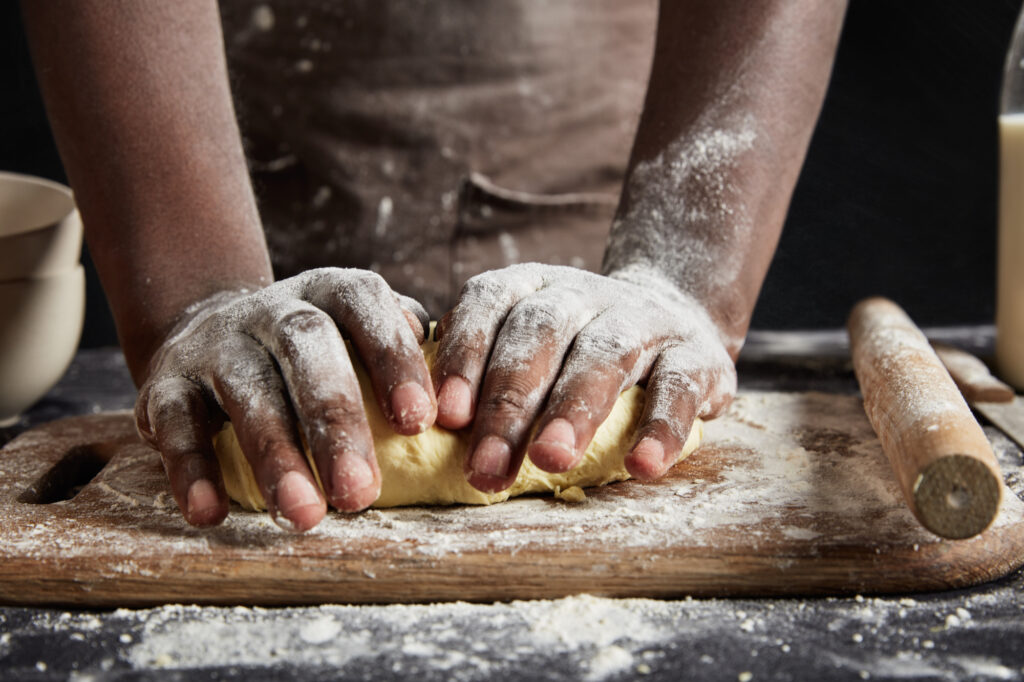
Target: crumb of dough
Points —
{"points": [[573, 494]]}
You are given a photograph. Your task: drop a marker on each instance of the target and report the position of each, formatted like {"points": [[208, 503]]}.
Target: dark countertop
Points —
{"points": [[966, 634]]}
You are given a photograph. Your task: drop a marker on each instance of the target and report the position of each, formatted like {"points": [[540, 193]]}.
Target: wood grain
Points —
{"points": [[790, 495], [940, 454]]}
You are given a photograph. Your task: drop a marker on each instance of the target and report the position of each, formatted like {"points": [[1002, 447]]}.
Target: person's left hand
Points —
{"points": [[563, 343]]}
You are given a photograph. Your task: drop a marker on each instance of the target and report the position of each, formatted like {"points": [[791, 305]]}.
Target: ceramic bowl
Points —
{"points": [[40, 325], [40, 229]]}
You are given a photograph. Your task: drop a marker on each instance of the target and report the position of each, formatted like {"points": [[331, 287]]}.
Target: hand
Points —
{"points": [[564, 343], [273, 362]]}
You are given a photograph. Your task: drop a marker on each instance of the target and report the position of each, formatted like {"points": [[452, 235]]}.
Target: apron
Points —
{"points": [[430, 141]]}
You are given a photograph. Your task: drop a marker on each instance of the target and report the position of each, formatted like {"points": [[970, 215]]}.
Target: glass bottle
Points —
{"points": [[1010, 284]]}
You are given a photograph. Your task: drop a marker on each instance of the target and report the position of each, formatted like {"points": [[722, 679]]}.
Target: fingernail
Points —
{"points": [[558, 433], [410, 404], [352, 474], [202, 495], [455, 400], [647, 460], [491, 457], [294, 491], [650, 448]]}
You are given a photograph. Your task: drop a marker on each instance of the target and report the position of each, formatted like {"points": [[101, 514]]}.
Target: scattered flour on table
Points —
{"points": [[580, 637], [598, 637]]}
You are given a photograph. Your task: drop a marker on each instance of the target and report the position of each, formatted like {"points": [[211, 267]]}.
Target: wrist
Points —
{"points": [[144, 339]]}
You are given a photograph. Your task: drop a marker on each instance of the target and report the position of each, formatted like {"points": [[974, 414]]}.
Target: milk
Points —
{"points": [[1010, 293]]}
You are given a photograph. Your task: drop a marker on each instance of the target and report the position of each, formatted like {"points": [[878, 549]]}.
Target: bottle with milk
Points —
{"points": [[1010, 292]]}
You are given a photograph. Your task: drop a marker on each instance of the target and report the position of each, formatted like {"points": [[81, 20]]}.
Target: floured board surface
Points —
{"points": [[790, 494]]}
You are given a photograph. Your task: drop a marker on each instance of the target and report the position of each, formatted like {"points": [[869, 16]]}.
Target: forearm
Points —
{"points": [[734, 93], [138, 98]]}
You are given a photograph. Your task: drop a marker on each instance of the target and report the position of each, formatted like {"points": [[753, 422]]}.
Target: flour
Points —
{"points": [[599, 637], [509, 250], [922, 388], [263, 18], [320, 630], [322, 196], [684, 212], [385, 209], [609, 661], [581, 637]]}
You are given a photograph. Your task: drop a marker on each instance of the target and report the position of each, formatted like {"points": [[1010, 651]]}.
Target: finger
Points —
{"points": [[527, 356], [325, 395], [684, 383], [417, 317], [173, 416], [467, 334], [252, 393], [363, 305], [599, 367]]}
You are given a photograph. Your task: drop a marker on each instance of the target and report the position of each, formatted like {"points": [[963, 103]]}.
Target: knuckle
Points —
{"points": [[677, 381], [363, 284], [588, 390], [170, 405], [247, 373], [538, 319], [165, 406], [303, 320], [335, 420], [565, 403], [268, 440], [398, 361], [482, 288], [460, 347], [340, 412], [512, 396], [670, 428], [295, 326], [605, 347]]}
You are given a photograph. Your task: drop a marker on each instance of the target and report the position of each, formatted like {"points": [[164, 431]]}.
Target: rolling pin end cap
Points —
{"points": [[957, 497]]}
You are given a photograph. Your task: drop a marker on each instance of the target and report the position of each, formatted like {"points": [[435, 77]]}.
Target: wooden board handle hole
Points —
{"points": [[68, 475]]}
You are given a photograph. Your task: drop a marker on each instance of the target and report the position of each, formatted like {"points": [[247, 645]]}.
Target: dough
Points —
{"points": [[427, 468]]}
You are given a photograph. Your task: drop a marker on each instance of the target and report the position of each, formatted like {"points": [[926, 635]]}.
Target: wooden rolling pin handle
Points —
{"points": [[942, 459], [972, 376]]}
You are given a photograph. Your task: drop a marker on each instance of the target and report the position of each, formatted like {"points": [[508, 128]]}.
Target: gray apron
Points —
{"points": [[432, 140]]}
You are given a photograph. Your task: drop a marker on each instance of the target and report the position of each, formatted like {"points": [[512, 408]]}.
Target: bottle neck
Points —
{"points": [[1012, 98]]}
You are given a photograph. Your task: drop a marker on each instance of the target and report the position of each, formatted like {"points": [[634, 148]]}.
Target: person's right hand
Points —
{"points": [[274, 362]]}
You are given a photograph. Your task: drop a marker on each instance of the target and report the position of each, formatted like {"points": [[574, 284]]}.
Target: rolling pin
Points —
{"points": [[942, 459]]}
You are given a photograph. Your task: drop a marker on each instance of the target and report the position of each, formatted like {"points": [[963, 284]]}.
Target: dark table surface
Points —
{"points": [[976, 633]]}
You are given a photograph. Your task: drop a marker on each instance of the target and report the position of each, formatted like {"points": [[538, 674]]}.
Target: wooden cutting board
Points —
{"points": [[790, 494]]}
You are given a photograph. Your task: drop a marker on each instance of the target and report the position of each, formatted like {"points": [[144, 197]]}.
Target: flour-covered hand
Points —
{"points": [[274, 362], [558, 345]]}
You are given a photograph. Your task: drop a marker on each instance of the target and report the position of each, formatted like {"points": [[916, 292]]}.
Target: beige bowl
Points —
{"points": [[40, 229], [40, 325]]}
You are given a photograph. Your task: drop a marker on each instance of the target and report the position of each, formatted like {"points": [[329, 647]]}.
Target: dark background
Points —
{"points": [[898, 195]]}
